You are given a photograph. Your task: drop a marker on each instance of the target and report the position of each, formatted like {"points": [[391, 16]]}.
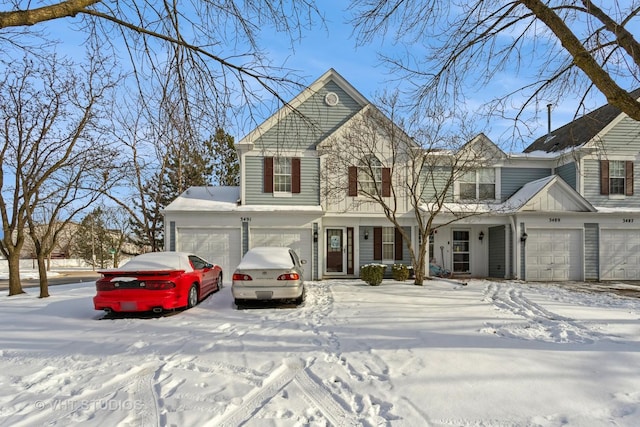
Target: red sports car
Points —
{"points": [[156, 282]]}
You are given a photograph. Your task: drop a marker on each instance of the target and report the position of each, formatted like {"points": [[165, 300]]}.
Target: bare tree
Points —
{"points": [[557, 47], [203, 55], [52, 155], [408, 178]]}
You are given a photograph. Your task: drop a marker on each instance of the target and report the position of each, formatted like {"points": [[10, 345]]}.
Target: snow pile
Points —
{"points": [[488, 354]]}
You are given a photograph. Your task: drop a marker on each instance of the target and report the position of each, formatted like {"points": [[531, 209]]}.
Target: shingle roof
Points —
{"points": [[579, 131]]}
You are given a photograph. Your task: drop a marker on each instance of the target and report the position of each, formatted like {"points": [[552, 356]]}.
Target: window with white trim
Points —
{"points": [[388, 243], [479, 184], [617, 174], [282, 174], [369, 175]]}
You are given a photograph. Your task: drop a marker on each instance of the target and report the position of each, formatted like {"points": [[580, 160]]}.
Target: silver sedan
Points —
{"points": [[267, 274]]}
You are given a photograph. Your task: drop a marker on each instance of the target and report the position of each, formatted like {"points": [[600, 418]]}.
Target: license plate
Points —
{"points": [[128, 306], [264, 294]]}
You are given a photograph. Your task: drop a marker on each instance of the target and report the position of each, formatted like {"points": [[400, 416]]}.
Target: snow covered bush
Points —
{"points": [[372, 273], [400, 272]]}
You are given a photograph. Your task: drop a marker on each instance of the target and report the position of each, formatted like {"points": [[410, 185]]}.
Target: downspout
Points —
{"points": [[516, 256]]}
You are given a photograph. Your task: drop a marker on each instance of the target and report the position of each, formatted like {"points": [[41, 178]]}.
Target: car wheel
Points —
{"points": [[300, 299], [219, 284], [192, 298]]}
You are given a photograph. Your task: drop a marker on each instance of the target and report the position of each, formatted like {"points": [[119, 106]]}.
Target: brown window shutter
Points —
{"points": [[398, 245], [353, 181], [377, 243], [295, 175], [604, 177], [386, 182], [628, 169], [267, 181]]}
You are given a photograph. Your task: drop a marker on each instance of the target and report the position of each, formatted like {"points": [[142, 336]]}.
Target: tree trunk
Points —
{"points": [[42, 273], [15, 286]]}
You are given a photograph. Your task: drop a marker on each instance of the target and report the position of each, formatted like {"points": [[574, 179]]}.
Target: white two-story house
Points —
{"points": [[564, 209]]}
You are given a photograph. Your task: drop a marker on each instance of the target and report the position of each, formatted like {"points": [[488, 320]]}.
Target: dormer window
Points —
{"points": [[479, 184]]}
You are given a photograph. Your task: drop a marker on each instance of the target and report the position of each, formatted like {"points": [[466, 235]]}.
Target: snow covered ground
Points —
{"points": [[487, 354]]}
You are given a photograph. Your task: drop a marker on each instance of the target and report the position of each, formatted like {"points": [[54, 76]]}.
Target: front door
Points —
{"points": [[335, 254], [461, 251]]}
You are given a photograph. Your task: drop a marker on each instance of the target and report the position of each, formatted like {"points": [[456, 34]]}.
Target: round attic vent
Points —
{"points": [[331, 99]]}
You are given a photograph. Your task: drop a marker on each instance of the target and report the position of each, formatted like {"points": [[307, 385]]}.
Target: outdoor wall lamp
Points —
{"points": [[315, 236], [523, 238], [366, 234], [481, 236]]}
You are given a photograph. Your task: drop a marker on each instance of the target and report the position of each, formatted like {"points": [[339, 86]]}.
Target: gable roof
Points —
{"points": [[579, 131], [481, 146], [291, 107], [550, 193]]}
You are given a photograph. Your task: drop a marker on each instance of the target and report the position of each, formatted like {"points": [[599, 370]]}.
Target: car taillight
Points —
{"points": [[238, 276], [157, 285], [289, 276], [105, 285]]}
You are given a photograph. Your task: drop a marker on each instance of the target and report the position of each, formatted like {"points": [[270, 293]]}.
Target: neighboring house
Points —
{"points": [[565, 209]]}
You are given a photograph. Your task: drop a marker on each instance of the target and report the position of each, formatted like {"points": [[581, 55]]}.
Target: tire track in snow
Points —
{"points": [[291, 371], [84, 405], [541, 323]]}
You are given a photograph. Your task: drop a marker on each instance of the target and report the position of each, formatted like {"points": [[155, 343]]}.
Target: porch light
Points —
{"points": [[315, 236], [523, 238], [366, 234], [481, 236]]}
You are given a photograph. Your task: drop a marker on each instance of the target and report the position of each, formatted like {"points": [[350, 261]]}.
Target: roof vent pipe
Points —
{"points": [[549, 119]]}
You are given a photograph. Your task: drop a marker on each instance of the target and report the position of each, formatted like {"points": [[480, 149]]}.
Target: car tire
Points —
{"points": [[192, 296], [300, 299], [219, 283], [240, 303]]}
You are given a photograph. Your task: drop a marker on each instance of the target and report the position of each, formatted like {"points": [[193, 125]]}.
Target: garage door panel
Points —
{"points": [[553, 255], [218, 245], [620, 254]]}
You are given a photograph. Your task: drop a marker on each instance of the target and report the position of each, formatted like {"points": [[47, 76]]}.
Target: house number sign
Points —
{"points": [[554, 219], [627, 220]]}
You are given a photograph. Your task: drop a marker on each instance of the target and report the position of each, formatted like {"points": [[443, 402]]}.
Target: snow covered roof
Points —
{"points": [[225, 199], [550, 193]]}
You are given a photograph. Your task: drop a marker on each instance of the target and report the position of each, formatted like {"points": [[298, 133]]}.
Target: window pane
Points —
{"points": [[282, 174], [487, 176], [487, 191], [468, 191], [616, 186], [616, 177], [388, 245]]}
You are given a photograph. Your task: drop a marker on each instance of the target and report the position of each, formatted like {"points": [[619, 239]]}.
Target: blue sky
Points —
{"points": [[335, 47]]}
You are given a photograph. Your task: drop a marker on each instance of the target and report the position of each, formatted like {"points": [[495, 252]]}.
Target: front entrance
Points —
{"points": [[335, 251], [461, 251]]}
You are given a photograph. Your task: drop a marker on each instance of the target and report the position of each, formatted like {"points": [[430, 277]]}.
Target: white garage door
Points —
{"points": [[218, 245], [620, 255], [295, 238], [553, 255]]}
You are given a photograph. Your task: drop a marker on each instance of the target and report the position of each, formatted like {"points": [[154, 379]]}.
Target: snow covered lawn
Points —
{"points": [[488, 354]]}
